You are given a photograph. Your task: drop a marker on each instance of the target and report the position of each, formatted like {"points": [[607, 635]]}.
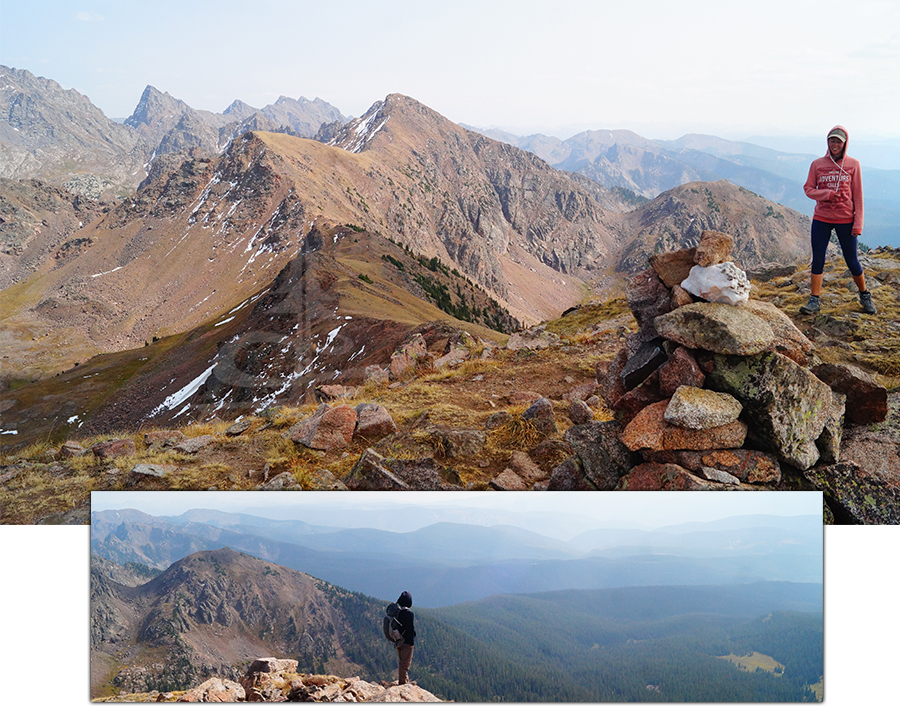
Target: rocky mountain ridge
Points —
{"points": [[170, 125], [57, 135], [211, 610], [52, 134], [649, 167], [529, 235]]}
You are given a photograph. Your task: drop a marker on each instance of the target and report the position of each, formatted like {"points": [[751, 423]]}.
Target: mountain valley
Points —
{"points": [[164, 617]]}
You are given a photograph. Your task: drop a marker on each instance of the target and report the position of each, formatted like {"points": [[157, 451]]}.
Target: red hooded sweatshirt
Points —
{"points": [[836, 187]]}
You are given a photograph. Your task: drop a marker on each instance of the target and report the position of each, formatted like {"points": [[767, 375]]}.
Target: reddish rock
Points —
{"points": [[647, 298], [876, 448], [403, 361], [673, 267], [71, 449], [631, 403], [867, 400], [789, 340], [609, 377], [525, 467], [649, 430], [114, 448], [452, 358], [541, 416], [681, 370], [748, 465], [373, 422], [329, 428], [714, 248], [680, 297], [580, 412], [508, 480], [657, 477], [331, 392]]}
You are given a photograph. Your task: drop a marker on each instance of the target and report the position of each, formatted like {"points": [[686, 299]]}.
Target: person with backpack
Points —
{"points": [[835, 184], [400, 628]]}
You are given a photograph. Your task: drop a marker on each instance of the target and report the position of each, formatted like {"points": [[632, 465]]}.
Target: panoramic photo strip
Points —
{"points": [[458, 597]]}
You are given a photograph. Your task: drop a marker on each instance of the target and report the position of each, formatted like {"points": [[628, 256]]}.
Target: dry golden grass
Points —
{"points": [[460, 398], [39, 493], [875, 345], [580, 321], [516, 434]]}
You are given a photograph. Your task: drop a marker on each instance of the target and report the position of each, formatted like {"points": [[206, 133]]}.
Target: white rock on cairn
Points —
{"points": [[725, 283]]}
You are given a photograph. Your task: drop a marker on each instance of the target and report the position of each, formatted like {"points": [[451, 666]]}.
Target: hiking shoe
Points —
{"points": [[865, 298], [812, 306]]}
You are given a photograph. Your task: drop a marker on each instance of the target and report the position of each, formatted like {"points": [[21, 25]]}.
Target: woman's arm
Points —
{"points": [[812, 190]]}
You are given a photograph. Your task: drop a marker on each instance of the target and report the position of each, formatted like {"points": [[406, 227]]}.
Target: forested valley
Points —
{"points": [[625, 644]]}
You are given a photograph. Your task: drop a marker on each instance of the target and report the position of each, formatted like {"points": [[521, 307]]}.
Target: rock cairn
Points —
{"points": [[717, 391]]}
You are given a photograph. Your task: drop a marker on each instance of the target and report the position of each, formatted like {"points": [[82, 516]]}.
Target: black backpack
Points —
{"points": [[391, 626]]}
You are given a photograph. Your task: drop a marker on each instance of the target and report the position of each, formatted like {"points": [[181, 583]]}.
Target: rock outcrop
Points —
{"points": [[276, 680]]}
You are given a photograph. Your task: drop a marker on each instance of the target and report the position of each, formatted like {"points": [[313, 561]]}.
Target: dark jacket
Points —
{"points": [[406, 619]]}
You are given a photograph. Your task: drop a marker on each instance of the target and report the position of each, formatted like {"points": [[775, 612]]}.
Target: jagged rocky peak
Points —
{"points": [[355, 136], [240, 110], [56, 134], [152, 105], [358, 134], [210, 612]]}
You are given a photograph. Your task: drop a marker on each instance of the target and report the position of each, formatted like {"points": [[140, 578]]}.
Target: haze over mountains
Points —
{"points": [[648, 167], [450, 562], [238, 585]]}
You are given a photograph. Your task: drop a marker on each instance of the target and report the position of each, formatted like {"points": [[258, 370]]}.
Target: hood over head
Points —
{"points": [[837, 132]]}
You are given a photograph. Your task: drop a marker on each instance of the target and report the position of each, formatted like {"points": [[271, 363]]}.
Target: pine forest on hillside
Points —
{"points": [[174, 598]]}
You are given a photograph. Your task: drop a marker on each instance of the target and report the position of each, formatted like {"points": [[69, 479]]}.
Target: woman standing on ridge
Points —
{"points": [[835, 184]]}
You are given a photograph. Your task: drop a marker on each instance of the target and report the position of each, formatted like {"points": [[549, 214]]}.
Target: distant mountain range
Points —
{"points": [[649, 167], [211, 609], [449, 563]]}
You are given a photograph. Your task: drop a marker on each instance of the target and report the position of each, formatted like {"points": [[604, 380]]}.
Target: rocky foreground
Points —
{"points": [[274, 680], [677, 390]]}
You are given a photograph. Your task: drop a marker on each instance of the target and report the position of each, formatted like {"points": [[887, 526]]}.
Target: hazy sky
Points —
{"points": [[656, 67], [645, 508]]}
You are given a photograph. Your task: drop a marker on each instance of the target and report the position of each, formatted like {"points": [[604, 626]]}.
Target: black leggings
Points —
{"points": [[821, 234]]}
